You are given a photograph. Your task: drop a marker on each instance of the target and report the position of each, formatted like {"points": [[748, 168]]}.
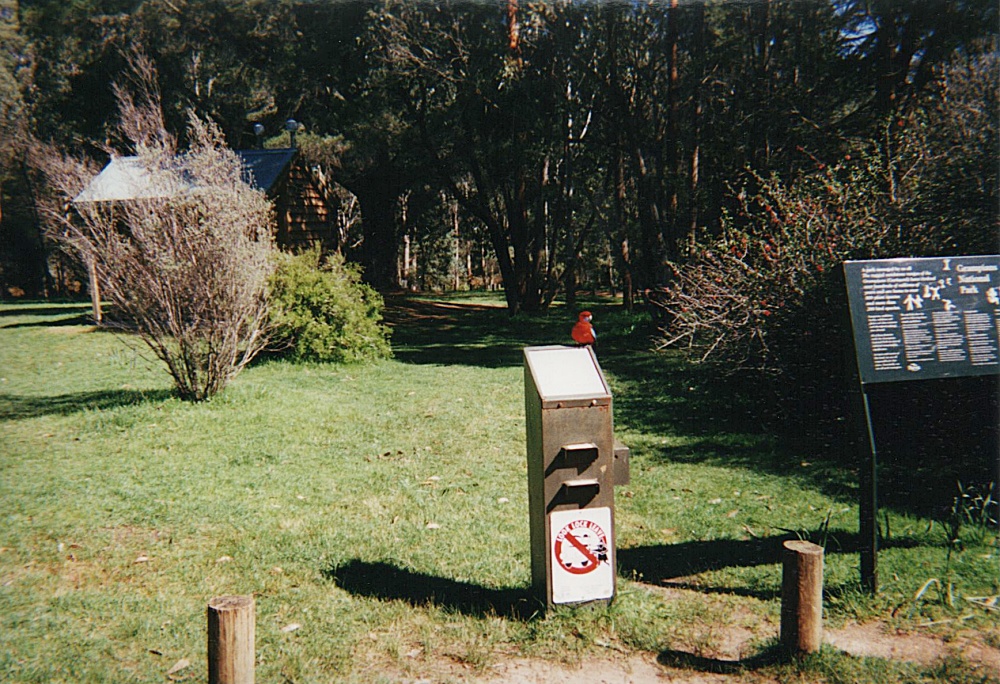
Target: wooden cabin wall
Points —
{"points": [[304, 217]]}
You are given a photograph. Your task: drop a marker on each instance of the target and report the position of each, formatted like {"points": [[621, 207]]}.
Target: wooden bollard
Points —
{"points": [[231, 626], [802, 596]]}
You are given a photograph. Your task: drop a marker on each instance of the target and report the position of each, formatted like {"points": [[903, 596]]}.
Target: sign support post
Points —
{"points": [[868, 501]]}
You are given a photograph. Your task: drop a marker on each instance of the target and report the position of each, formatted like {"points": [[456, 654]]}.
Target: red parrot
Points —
{"points": [[583, 331]]}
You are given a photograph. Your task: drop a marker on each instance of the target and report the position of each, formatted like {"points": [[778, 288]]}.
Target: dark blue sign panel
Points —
{"points": [[917, 319]]}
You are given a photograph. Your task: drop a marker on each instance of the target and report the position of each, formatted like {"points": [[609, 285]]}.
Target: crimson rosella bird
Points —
{"points": [[583, 331]]}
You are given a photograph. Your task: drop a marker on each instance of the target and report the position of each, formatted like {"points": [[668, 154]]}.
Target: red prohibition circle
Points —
{"points": [[589, 540]]}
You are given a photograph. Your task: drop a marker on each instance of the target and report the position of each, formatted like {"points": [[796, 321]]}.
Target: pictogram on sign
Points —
{"points": [[581, 547], [581, 551]]}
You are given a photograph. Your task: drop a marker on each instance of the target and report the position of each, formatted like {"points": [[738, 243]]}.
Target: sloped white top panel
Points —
{"points": [[563, 373]]}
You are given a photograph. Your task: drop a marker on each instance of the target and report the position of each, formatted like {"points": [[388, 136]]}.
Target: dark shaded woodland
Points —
{"points": [[545, 147]]}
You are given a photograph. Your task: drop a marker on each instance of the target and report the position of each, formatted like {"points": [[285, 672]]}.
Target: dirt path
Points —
{"points": [[876, 640], [720, 656], [403, 310], [868, 640], [623, 670]]}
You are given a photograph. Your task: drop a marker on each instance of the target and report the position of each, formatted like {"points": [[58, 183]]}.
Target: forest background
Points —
{"points": [[715, 160], [544, 146], [711, 163]]}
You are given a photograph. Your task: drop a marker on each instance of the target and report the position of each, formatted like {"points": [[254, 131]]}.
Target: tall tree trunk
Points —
{"points": [[457, 243], [892, 61], [758, 18], [501, 247], [528, 245], [404, 271], [671, 239], [513, 29], [698, 62], [618, 231], [650, 220], [621, 249], [379, 251], [477, 202]]}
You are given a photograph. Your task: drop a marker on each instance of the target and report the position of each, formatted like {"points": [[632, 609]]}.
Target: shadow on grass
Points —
{"points": [[653, 391], [931, 434], [446, 333], [390, 583], [17, 407], [668, 564], [773, 655], [15, 309], [81, 319], [715, 421], [773, 594], [657, 391]]}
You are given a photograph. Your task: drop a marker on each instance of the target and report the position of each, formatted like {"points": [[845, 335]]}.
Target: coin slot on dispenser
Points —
{"points": [[579, 456], [579, 492]]}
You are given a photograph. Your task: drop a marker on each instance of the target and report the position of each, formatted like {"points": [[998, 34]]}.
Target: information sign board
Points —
{"points": [[917, 319]]}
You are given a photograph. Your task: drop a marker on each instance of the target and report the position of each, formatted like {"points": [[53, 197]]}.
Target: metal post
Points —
{"points": [[868, 502]]}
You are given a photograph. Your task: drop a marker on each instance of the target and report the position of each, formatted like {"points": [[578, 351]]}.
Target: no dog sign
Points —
{"points": [[582, 548]]}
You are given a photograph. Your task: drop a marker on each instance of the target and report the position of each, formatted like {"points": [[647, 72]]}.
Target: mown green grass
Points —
{"points": [[384, 509]]}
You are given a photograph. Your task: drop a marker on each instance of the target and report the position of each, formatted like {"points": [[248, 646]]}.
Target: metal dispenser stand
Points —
{"points": [[571, 475]]}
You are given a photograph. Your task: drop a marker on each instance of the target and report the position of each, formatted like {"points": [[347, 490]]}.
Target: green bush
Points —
{"points": [[322, 311]]}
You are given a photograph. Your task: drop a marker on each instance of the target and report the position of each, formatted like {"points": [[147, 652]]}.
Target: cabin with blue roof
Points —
{"points": [[304, 216]]}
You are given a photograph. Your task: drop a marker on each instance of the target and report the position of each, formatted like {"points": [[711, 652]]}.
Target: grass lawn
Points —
{"points": [[383, 510]]}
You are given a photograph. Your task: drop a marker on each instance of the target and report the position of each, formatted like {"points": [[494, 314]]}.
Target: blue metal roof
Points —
{"points": [[263, 168]]}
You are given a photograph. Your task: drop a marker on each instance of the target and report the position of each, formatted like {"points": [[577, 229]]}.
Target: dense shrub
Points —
{"points": [[323, 312]]}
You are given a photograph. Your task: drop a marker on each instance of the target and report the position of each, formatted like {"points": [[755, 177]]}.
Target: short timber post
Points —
{"points": [[231, 640], [95, 294], [802, 596]]}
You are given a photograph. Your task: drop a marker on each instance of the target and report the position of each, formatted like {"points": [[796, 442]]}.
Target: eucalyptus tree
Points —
{"points": [[567, 132], [367, 145], [500, 115], [898, 46], [21, 254], [846, 131], [15, 79], [235, 62], [949, 194], [76, 49]]}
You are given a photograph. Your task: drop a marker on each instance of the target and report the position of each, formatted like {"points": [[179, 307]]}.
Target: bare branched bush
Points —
{"points": [[185, 258], [757, 291]]}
